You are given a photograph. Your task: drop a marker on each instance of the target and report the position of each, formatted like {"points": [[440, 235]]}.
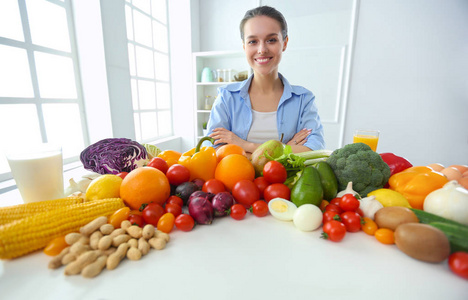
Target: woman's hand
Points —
{"points": [[224, 136], [299, 138]]}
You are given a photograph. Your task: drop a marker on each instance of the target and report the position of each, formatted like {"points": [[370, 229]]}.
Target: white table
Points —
{"points": [[256, 258]]}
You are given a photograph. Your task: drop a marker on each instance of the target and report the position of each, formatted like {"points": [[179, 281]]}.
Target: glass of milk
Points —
{"points": [[38, 171]]}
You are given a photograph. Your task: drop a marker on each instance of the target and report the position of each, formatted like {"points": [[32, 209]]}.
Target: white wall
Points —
{"points": [[409, 74], [409, 78]]}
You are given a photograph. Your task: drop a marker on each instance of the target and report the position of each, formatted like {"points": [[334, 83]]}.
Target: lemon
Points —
{"points": [[103, 187], [390, 197], [152, 150]]}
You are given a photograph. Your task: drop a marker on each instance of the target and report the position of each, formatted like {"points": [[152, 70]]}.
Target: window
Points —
{"points": [[41, 88], [40, 93], [149, 61]]}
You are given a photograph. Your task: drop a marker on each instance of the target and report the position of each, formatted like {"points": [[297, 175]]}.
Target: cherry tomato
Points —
{"points": [[276, 190], [349, 203], [152, 213], [245, 192], [352, 221], [173, 208], [261, 183], [176, 200], [55, 246], [335, 201], [333, 207], [334, 231], [118, 216], [330, 215], [274, 172], [385, 236], [237, 211], [122, 174], [158, 163], [458, 263], [137, 220], [369, 226], [184, 222], [166, 223], [260, 208], [177, 174], [213, 186]]}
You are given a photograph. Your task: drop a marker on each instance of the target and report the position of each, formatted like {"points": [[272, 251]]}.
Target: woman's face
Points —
{"points": [[263, 44]]}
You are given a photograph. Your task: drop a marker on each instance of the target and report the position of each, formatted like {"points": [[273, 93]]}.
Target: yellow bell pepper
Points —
{"points": [[201, 161], [170, 156], [416, 183]]}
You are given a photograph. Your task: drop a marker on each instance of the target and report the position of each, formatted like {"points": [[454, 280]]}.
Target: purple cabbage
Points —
{"points": [[114, 155]]}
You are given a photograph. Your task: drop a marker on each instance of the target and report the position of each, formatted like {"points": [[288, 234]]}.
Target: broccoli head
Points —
{"points": [[359, 164]]}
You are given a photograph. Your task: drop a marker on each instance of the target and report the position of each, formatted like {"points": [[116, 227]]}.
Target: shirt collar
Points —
{"points": [[243, 88]]}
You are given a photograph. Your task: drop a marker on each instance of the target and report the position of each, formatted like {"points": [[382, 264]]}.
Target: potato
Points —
{"points": [[392, 216], [422, 242]]}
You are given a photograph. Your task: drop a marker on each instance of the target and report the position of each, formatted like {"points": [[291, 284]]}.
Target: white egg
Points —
{"points": [[282, 209], [307, 217]]}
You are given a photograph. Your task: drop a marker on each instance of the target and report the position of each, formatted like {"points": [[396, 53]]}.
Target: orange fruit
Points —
{"points": [[233, 168], [227, 149], [144, 185]]}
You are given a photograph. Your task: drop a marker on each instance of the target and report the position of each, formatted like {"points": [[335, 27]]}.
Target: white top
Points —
{"points": [[263, 127]]}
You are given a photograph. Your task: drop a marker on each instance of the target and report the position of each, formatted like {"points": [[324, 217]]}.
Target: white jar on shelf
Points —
{"points": [[208, 103], [220, 75]]}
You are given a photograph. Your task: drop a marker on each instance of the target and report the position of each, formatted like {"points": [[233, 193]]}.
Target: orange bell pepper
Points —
{"points": [[170, 156], [201, 161], [416, 183]]}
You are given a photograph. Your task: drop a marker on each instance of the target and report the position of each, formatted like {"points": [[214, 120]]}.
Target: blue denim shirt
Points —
{"points": [[296, 110]]}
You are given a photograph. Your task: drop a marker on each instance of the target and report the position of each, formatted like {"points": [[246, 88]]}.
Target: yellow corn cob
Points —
{"points": [[34, 232], [16, 212]]}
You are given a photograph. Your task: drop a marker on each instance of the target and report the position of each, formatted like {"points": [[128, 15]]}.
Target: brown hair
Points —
{"points": [[265, 11]]}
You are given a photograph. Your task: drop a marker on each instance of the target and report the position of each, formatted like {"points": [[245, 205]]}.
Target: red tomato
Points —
{"points": [[166, 223], [334, 231], [335, 201], [245, 192], [136, 220], [352, 221], [330, 215], [122, 174], [260, 208], [261, 183], [177, 174], [349, 203], [458, 263], [173, 208], [176, 200], [184, 222], [159, 163], [152, 213], [213, 186], [333, 207], [276, 190], [274, 172], [237, 212]]}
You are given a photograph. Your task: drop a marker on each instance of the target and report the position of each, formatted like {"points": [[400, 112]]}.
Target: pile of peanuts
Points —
{"points": [[99, 245]]}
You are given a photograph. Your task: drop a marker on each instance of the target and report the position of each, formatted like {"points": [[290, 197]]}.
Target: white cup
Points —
{"points": [[38, 171]]}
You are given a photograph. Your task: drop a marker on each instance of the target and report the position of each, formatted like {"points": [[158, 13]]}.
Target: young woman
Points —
{"points": [[265, 106]]}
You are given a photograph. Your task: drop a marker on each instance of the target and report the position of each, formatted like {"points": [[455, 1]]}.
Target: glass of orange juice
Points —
{"points": [[368, 137]]}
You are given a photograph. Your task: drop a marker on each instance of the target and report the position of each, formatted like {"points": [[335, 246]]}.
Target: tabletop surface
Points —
{"points": [[255, 258]]}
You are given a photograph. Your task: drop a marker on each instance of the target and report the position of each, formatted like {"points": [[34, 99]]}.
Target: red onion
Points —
{"points": [[221, 203], [201, 210], [207, 196]]}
